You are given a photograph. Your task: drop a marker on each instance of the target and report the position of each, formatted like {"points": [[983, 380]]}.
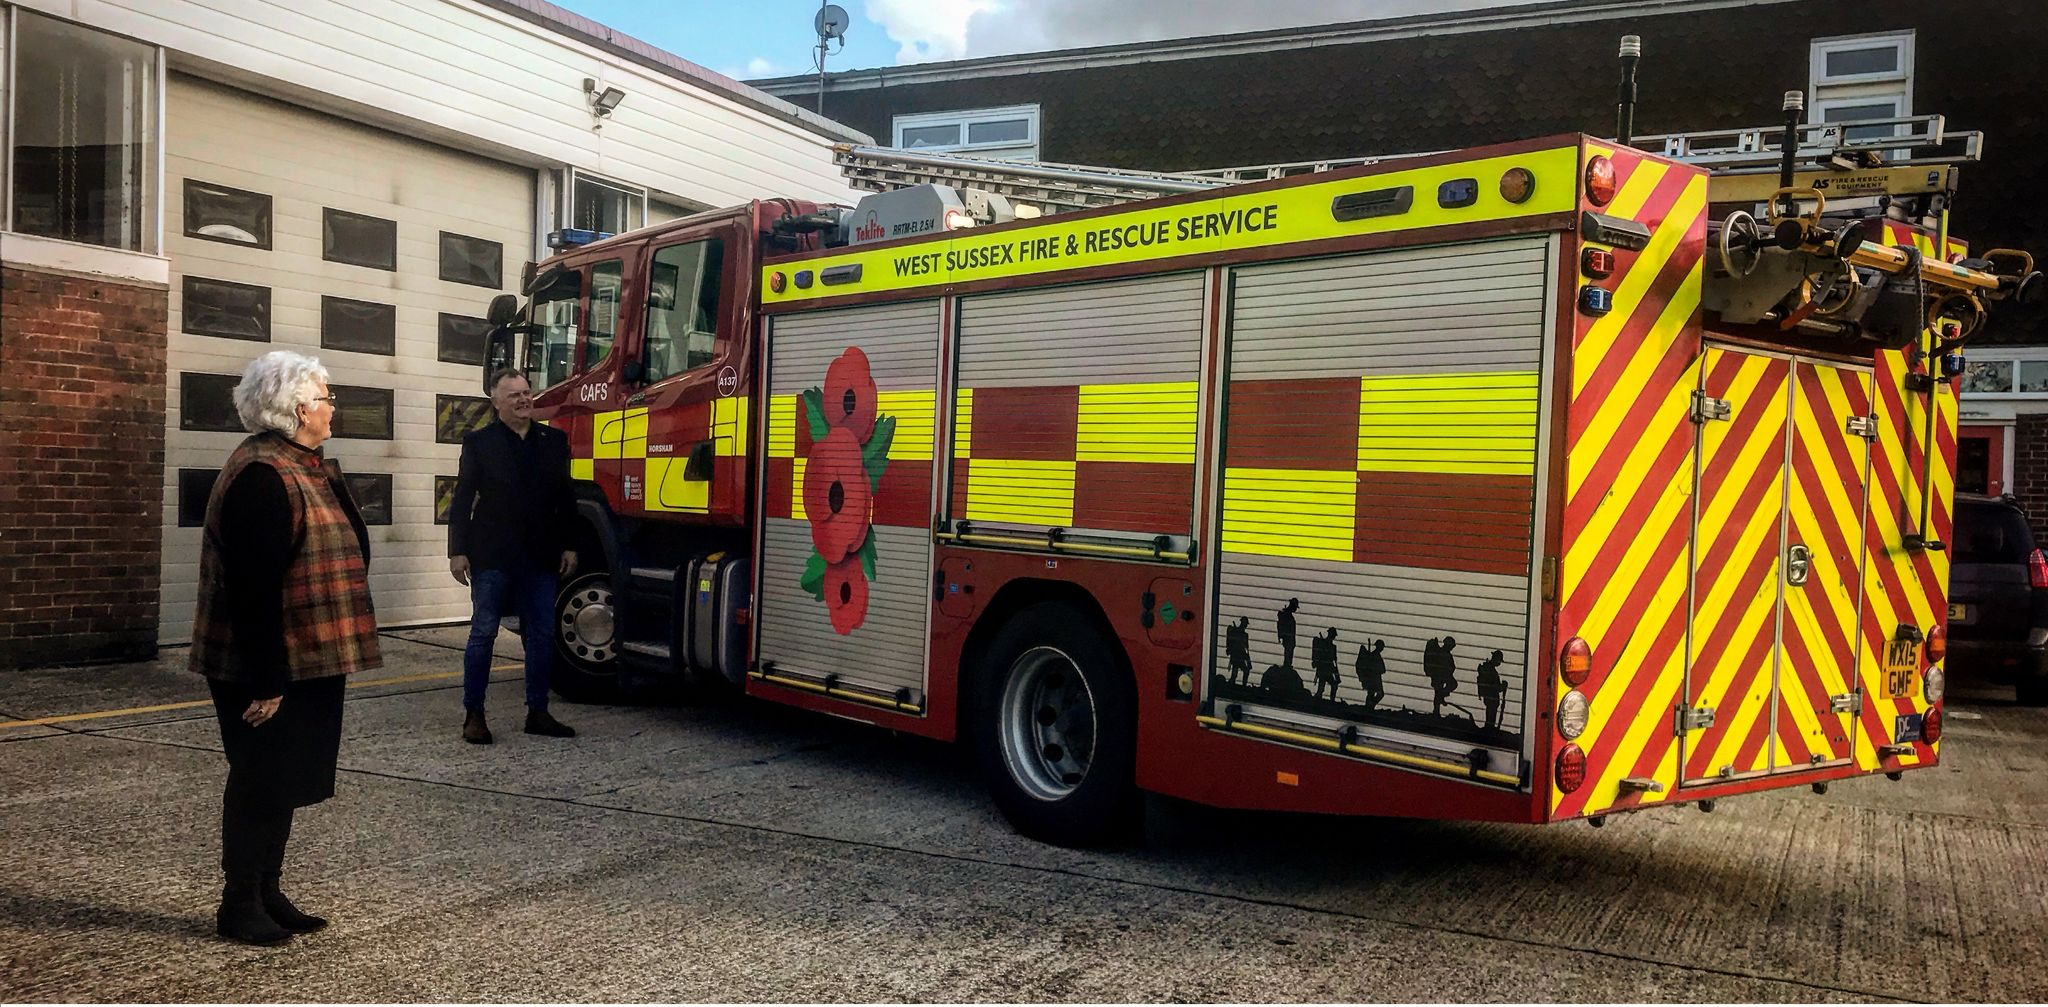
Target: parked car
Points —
{"points": [[1998, 598]]}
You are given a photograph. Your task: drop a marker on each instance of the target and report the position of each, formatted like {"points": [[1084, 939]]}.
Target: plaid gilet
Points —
{"points": [[329, 626]]}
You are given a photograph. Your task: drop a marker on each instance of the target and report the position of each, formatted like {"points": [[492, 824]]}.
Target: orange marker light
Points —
{"points": [[776, 281], [1517, 185], [1288, 779], [1599, 180], [1576, 662]]}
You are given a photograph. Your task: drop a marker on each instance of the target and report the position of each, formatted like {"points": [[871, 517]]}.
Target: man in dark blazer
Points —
{"points": [[508, 541]]}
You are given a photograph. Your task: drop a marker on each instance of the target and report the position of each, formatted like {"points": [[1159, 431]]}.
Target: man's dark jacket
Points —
{"points": [[513, 500]]}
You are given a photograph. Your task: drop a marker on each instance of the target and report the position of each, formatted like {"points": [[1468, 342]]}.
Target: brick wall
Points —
{"points": [[2030, 469], [81, 466]]}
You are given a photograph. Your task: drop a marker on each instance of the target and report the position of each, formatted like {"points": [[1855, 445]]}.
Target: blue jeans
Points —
{"points": [[528, 593]]}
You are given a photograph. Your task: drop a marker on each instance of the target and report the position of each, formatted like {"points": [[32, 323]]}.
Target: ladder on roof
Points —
{"points": [[1861, 145]]}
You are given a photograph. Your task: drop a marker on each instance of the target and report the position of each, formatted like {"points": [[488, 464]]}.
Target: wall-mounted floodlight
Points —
{"points": [[601, 102]]}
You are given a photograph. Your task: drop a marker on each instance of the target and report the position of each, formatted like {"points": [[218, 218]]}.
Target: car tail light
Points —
{"points": [[1576, 662], [1599, 180], [1572, 713], [1930, 726], [2037, 569], [1571, 768], [1937, 643]]}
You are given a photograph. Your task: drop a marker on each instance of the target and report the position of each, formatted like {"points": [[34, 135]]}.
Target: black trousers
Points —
{"points": [[285, 764], [253, 832]]}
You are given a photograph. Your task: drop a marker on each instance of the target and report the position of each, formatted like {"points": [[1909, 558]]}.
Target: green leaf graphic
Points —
{"points": [[813, 581], [875, 453], [867, 554], [814, 412]]}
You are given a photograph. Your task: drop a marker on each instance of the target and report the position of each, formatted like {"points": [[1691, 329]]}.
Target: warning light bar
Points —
{"points": [[570, 237]]}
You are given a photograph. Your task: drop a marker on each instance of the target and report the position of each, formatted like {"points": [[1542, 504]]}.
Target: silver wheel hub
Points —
{"points": [[1047, 724], [586, 622]]}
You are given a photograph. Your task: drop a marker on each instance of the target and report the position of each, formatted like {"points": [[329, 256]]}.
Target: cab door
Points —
{"points": [[580, 320], [686, 415]]}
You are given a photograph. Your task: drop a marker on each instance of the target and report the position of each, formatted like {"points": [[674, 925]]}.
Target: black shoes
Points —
{"points": [[474, 730], [243, 918], [539, 721], [284, 913]]}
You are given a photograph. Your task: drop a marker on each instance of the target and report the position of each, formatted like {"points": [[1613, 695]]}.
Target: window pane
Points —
{"points": [[1973, 465], [1987, 532], [226, 308], [596, 206], [457, 415], [1874, 110], [373, 496], [607, 289], [2034, 375], [206, 402], [362, 412], [1878, 59], [1987, 376], [218, 213], [551, 343], [1000, 131], [472, 260], [84, 109], [362, 326], [358, 239], [195, 486], [462, 339], [444, 492], [931, 136], [682, 308]]}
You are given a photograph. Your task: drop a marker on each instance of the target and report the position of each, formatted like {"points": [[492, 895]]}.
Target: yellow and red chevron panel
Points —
{"points": [[1113, 457], [901, 500], [1342, 468], [1821, 622], [1738, 550], [1628, 491]]}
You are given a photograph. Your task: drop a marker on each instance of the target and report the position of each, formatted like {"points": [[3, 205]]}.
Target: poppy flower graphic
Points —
{"points": [[846, 595], [837, 497], [850, 394]]}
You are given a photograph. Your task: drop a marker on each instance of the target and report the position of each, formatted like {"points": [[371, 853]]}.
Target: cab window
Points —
{"points": [[601, 326], [682, 307], [551, 343]]}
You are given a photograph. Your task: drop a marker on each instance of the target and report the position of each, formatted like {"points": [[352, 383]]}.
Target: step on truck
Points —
{"points": [[1533, 482]]}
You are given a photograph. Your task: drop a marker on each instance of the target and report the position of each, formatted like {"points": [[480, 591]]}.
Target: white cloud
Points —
{"points": [[957, 29], [757, 68]]}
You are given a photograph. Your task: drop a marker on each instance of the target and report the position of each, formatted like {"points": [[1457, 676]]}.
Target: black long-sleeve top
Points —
{"points": [[256, 550], [513, 498]]}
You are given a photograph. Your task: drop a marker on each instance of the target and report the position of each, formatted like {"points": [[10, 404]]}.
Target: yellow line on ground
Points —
{"points": [[130, 711]]}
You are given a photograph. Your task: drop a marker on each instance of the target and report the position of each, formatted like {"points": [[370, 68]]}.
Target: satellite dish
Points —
{"points": [[831, 21]]}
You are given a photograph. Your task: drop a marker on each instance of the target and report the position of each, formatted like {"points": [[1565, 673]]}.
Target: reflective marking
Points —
{"points": [[130, 711]]}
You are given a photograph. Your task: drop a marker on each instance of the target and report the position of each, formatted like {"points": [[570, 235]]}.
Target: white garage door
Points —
{"points": [[291, 229]]}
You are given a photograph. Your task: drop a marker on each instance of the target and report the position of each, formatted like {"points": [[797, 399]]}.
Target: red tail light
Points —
{"points": [[1599, 180], [1571, 768], [1576, 663], [1930, 726], [1937, 642], [2037, 569]]}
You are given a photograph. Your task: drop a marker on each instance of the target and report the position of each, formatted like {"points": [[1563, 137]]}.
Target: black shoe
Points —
{"points": [[243, 918], [474, 730], [539, 721], [284, 913]]}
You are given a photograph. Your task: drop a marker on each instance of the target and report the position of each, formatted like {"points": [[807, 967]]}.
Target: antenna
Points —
{"points": [[831, 24]]}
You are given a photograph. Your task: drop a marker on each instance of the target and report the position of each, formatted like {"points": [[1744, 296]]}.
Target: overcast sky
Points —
{"points": [[765, 38]]}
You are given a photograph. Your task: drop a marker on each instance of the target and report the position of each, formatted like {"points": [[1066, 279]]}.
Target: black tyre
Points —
{"points": [[1055, 721], [586, 640]]}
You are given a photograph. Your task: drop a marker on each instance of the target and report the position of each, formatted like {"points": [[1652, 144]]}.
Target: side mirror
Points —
{"points": [[497, 353], [504, 308], [634, 372]]}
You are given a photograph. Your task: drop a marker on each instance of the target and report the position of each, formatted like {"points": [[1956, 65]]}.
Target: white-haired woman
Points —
{"points": [[284, 613]]}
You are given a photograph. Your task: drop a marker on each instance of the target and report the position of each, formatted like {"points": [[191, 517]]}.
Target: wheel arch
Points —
{"points": [[1012, 598]]}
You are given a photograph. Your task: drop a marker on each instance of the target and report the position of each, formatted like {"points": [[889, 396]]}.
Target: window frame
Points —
{"points": [[149, 194], [441, 403], [390, 399], [966, 118], [233, 424], [390, 310], [577, 176], [185, 309], [269, 214], [197, 520], [720, 342], [390, 502], [327, 213], [1820, 48], [441, 321], [441, 260]]}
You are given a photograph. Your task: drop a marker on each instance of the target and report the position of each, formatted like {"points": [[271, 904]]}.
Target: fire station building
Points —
{"points": [[188, 185], [1444, 81]]}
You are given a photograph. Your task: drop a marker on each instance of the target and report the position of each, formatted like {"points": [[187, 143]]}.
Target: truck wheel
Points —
{"points": [[1055, 723], [586, 640]]}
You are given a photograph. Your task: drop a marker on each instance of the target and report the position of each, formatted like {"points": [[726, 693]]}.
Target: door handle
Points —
{"points": [[1798, 563]]}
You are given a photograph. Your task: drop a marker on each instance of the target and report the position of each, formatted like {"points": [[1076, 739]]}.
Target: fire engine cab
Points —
{"points": [[1532, 482]]}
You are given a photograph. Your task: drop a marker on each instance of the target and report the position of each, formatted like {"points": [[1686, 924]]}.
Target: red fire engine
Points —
{"points": [[1532, 482]]}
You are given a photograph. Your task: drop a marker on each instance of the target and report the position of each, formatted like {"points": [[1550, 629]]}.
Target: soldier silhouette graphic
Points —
{"points": [[1286, 627], [1372, 671], [1492, 688], [1237, 643], [1323, 658], [1442, 670]]}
